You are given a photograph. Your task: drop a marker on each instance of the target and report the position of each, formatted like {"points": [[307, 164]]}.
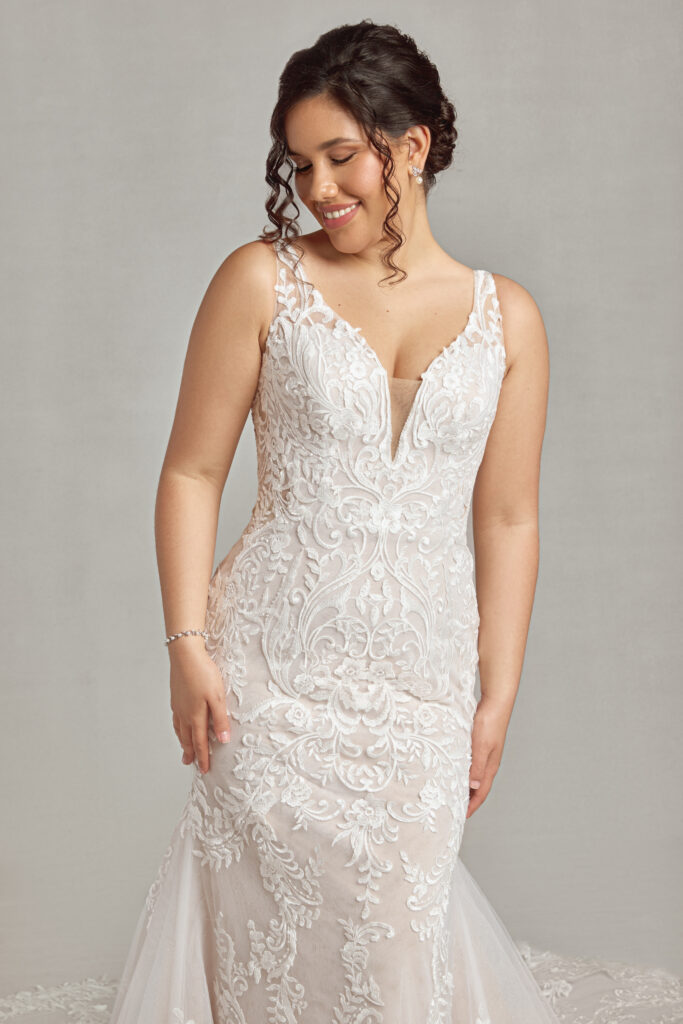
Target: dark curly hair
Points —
{"points": [[381, 78]]}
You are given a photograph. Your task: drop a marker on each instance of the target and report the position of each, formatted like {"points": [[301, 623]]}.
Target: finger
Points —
{"points": [[477, 769], [220, 720], [479, 793], [472, 806], [185, 737], [200, 741], [477, 797]]}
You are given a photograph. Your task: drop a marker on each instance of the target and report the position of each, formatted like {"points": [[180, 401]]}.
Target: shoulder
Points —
{"points": [[524, 332], [247, 276]]}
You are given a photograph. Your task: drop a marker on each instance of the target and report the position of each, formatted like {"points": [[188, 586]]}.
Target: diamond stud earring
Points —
{"points": [[417, 171]]}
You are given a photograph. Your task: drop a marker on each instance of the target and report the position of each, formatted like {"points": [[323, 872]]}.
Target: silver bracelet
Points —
{"points": [[187, 632]]}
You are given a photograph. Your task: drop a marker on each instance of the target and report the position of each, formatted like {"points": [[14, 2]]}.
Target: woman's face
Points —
{"points": [[345, 174]]}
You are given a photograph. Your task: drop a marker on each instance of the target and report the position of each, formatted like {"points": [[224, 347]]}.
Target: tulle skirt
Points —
{"points": [[184, 965]]}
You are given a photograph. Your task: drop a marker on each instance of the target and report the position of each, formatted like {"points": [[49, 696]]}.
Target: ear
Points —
{"points": [[419, 140]]}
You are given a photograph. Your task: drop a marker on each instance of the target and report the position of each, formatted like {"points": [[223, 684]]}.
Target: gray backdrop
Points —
{"points": [[135, 137]]}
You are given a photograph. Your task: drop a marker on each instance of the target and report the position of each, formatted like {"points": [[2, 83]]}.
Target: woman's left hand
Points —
{"points": [[489, 730]]}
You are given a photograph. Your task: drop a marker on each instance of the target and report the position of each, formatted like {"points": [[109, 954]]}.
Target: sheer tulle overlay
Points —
{"points": [[184, 956], [315, 876]]}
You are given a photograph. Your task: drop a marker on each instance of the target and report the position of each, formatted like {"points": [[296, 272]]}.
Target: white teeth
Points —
{"points": [[339, 213]]}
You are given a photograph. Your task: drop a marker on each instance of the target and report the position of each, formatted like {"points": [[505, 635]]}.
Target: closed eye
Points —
{"points": [[302, 170]]}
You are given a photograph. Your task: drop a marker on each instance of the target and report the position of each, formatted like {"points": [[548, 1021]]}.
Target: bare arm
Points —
{"points": [[218, 382], [505, 526]]}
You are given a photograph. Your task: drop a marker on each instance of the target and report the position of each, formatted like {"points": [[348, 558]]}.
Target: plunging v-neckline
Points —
{"points": [[357, 334]]}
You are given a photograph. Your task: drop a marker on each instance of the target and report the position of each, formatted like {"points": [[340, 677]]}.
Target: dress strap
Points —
{"points": [[290, 291], [491, 318]]}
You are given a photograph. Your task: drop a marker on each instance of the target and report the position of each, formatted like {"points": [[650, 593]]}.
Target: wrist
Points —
{"points": [[183, 633], [190, 643]]}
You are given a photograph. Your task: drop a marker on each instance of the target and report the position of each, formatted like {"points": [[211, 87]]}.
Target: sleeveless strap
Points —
{"points": [[290, 294], [490, 314]]}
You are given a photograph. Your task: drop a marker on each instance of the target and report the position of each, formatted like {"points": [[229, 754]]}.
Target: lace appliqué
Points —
{"points": [[79, 1002], [584, 990]]}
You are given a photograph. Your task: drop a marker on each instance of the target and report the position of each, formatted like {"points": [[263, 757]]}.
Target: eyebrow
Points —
{"points": [[325, 145]]}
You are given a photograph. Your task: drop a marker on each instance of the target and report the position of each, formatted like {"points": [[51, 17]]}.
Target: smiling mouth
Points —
{"points": [[336, 214]]}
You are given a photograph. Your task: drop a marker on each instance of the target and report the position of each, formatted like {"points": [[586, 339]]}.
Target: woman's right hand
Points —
{"points": [[197, 692]]}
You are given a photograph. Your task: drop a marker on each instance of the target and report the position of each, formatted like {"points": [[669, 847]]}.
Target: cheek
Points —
{"points": [[365, 180]]}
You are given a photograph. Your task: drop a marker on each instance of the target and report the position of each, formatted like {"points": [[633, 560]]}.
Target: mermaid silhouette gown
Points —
{"points": [[314, 876]]}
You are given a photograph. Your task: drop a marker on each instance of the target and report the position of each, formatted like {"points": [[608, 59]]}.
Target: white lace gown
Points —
{"points": [[314, 876]]}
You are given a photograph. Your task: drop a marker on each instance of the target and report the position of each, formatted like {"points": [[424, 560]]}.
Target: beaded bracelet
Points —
{"points": [[187, 632]]}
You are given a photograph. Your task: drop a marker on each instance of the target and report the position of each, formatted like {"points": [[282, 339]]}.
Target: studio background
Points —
{"points": [[133, 158]]}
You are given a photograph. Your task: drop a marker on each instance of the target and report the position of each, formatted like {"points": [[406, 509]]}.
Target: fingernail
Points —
{"points": [[223, 737], [475, 785]]}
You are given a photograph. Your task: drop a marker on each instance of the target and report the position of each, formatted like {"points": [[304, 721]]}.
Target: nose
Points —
{"points": [[323, 189]]}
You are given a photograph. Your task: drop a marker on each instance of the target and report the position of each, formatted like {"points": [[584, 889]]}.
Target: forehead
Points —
{"points": [[317, 123]]}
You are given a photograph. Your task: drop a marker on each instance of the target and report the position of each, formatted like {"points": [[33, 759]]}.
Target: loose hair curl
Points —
{"points": [[380, 77]]}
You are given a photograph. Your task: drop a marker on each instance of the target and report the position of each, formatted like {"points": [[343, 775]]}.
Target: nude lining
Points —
{"points": [[402, 391]]}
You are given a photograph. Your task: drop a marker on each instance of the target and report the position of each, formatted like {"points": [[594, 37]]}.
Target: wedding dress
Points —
{"points": [[314, 875]]}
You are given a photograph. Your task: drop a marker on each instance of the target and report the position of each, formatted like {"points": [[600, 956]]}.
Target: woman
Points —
{"points": [[327, 703]]}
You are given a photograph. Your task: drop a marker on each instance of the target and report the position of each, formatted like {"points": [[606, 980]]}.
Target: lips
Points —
{"points": [[347, 207], [337, 206]]}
